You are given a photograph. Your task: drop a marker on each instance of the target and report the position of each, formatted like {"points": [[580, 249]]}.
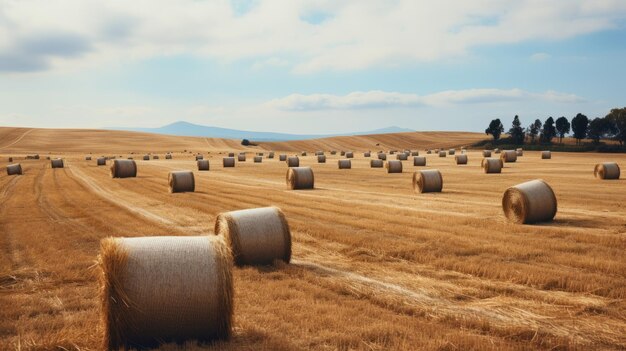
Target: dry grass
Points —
{"points": [[375, 266]]}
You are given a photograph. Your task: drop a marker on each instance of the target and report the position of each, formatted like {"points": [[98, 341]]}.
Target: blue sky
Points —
{"points": [[309, 66]]}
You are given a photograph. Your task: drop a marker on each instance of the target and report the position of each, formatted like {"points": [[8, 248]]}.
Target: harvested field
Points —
{"points": [[374, 265]]}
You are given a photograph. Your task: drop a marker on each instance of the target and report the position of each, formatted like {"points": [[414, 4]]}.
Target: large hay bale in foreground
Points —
{"points": [[607, 170], [508, 156], [491, 165], [529, 202], [382, 156], [101, 161], [241, 158], [258, 159], [282, 157], [546, 155], [181, 182], [428, 181], [321, 158], [57, 163], [228, 162], [163, 289], [402, 156], [442, 153], [203, 165], [123, 169], [344, 164], [300, 178], [349, 155], [293, 161], [419, 161], [486, 153], [15, 169], [461, 159], [394, 166], [376, 163], [256, 236]]}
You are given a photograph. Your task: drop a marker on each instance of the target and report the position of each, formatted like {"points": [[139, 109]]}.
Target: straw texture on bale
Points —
{"points": [[199, 157], [321, 158], [101, 161], [123, 169], [509, 156], [442, 153], [607, 170], [258, 159], [461, 159], [155, 290], [419, 161], [293, 161], [382, 156], [427, 181], [529, 202], [349, 155], [546, 155], [168, 156], [519, 152], [491, 165], [228, 162], [282, 157], [56, 163], [344, 164], [181, 181], [376, 163], [402, 156], [231, 154], [394, 166], [486, 153], [270, 155], [451, 151], [256, 236], [300, 178], [241, 158], [415, 153], [367, 154], [15, 169], [87, 158], [203, 165]]}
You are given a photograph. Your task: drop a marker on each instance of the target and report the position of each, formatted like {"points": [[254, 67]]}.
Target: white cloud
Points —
{"points": [[354, 34], [382, 99], [540, 56]]}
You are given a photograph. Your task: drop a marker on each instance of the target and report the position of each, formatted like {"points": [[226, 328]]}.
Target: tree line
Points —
{"points": [[612, 126]]}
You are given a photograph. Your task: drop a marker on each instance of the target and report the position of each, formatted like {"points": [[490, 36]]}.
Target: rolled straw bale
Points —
{"points": [[101, 161], [349, 155], [15, 169], [258, 159], [607, 170], [203, 165], [415, 153], [394, 166], [344, 164], [392, 152], [146, 157], [256, 236], [367, 154], [57, 163], [427, 181], [402, 156], [529, 202], [181, 181], [519, 151], [382, 156], [303, 153], [260, 154], [342, 153], [293, 161], [282, 157], [437, 151], [491, 165], [270, 155], [123, 169], [47, 157], [333, 152], [317, 153], [231, 154], [87, 158], [463, 151], [442, 153], [241, 158], [199, 157], [228, 162], [546, 155], [376, 163], [486, 153], [509, 156], [496, 150], [300, 178], [165, 289], [155, 157], [429, 152], [419, 161], [451, 151], [461, 159], [321, 158], [168, 156]]}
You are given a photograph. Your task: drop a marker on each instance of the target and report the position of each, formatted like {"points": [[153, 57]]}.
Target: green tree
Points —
{"points": [[600, 128], [533, 130], [548, 131], [617, 117], [580, 124], [517, 132], [562, 127], [495, 128]]}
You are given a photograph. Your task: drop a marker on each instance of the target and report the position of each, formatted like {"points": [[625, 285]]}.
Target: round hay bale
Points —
{"points": [[419, 161], [146, 157], [402, 156], [367, 154], [349, 155], [203, 165], [491, 165], [508, 156], [546, 155], [486, 153], [228, 162], [300, 178], [496, 150], [427, 181], [241, 158], [101, 161], [382, 156], [607, 170], [333, 152], [87, 158], [392, 152], [181, 181], [256, 236], [168, 156], [155, 157], [303, 153], [519, 152], [163, 289], [463, 151], [15, 169], [429, 152], [317, 153], [123, 169], [199, 157], [376, 163], [321, 158], [270, 155], [260, 154], [451, 151], [461, 159], [282, 157], [344, 164], [57, 163], [529, 202], [293, 161], [231, 154], [442, 153], [394, 166], [258, 159], [342, 153], [415, 153]]}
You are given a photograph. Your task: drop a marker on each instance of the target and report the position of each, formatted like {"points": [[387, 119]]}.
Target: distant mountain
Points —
{"points": [[189, 129]]}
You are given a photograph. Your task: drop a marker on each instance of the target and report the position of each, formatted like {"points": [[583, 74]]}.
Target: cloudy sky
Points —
{"points": [[301, 66]]}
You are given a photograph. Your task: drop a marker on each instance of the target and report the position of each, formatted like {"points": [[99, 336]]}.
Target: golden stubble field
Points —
{"points": [[375, 266]]}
